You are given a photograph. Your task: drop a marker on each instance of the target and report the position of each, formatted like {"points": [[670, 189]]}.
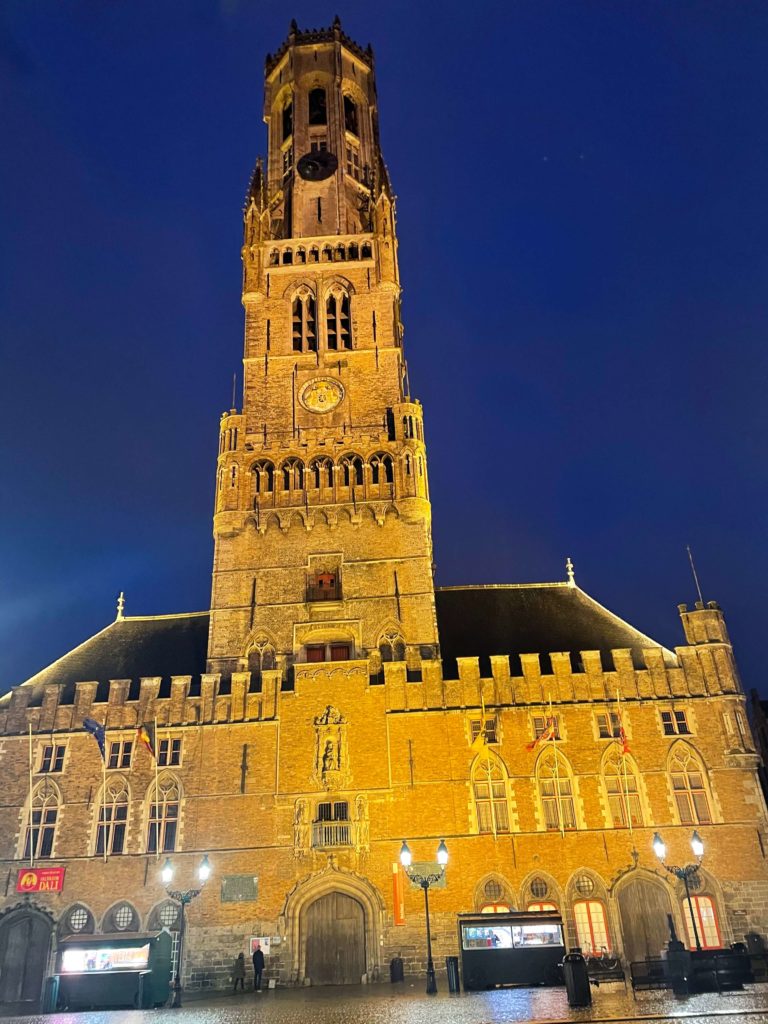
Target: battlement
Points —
{"points": [[313, 37]]}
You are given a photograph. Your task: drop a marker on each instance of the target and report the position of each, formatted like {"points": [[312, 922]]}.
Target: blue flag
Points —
{"points": [[97, 731]]}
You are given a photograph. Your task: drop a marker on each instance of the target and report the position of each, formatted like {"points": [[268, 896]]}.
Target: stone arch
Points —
{"points": [[68, 926], [116, 914], [309, 889], [684, 758], [554, 893], [708, 886], [26, 933], [493, 888], [337, 281], [638, 914]]}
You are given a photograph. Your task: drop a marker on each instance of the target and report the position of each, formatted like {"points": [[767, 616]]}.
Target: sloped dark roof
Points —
{"points": [[131, 648], [530, 619]]}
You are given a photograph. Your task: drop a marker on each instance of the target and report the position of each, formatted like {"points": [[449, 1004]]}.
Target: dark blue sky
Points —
{"points": [[583, 223]]}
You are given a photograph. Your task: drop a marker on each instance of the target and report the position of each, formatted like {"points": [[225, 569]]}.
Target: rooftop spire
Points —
{"points": [[570, 571], [120, 607]]}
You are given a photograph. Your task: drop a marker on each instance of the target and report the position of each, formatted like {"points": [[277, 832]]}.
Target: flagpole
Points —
{"points": [[487, 765], [622, 737], [104, 793], [31, 787], [553, 730], [157, 796]]}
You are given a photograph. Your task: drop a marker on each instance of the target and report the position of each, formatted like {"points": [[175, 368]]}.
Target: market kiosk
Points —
{"points": [[121, 970], [513, 948]]}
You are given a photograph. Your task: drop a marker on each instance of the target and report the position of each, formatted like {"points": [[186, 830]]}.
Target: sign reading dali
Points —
{"points": [[40, 879]]}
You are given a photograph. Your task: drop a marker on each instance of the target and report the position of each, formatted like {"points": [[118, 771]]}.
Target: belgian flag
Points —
{"points": [[146, 735]]}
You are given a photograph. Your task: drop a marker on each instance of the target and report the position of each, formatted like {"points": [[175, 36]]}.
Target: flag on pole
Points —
{"points": [[97, 730], [146, 735], [478, 744], [549, 733]]}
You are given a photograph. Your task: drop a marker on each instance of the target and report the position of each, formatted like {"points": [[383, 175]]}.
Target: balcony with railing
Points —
{"points": [[332, 833]]}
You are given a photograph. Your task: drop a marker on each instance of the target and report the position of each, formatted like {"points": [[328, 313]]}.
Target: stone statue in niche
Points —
{"points": [[301, 829], [363, 834], [331, 760]]}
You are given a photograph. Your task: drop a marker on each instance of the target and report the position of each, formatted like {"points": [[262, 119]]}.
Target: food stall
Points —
{"points": [[103, 971], [511, 948]]}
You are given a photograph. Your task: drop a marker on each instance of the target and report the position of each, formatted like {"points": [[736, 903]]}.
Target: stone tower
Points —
{"points": [[323, 546]]}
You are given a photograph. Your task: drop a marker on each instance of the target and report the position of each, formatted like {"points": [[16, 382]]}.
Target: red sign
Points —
{"points": [[40, 879]]}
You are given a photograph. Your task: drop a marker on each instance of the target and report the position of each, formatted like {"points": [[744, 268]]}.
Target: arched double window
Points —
{"points": [[556, 792], [41, 821], [622, 789], [321, 473], [489, 787], [381, 469], [113, 818], [391, 646], [686, 776], [263, 477], [261, 657], [163, 821], [352, 471], [338, 326], [293, 475], [304, 321]]}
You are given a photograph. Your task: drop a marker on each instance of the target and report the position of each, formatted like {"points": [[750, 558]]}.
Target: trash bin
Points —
{"points": [[51, 994], [452, 967], [396, 972], [576, 979]]}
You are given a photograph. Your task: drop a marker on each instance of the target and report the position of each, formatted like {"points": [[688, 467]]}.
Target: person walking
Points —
{"points": [[238, 972], [258, 966]]}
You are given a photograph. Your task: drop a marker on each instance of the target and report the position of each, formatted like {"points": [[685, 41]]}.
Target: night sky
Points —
{"points": [[583, 215]]}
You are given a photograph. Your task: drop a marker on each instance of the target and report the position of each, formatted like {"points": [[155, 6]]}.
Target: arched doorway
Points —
{"points": [[644, 906], [25, 939], [333, 929]]}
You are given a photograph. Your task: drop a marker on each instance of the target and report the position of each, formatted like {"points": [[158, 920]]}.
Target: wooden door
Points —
{"points": [[24, 942], [334, 931], [644, 906]]}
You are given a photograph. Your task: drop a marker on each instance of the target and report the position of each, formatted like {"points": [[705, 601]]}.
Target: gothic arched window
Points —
{"points": [[293, 475], [381, 469], [352, 471], [392, 647], [705, 916], [337, 323], [591, 925], [556, 792], [303, 322], [163, 822], [622, 788], [318, 106], [350, 115], [322, 473], [489, 787], [686, 776], [113, 818], [263, 477], [287, 120], [41, 821], [261, 657]]}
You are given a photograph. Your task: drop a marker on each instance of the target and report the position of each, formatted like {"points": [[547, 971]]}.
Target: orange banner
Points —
{"points": [[398, 894], [40, 879]]}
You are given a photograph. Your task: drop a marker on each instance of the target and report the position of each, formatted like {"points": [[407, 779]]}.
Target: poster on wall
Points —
{"points": [[40, 879], [263, 940]]}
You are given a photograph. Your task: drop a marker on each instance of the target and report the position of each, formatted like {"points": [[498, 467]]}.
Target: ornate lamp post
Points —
{"points": [[183, 897], [683, 873], [425, 881]]}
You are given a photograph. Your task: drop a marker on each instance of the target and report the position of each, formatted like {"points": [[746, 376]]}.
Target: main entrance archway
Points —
{"points": [[334, 932], [644, 906], [25, 938]]}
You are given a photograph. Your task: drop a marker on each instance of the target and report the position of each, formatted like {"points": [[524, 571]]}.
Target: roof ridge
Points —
{"points": [[505, 586], [170, 615], [639, 632], [45, 668]]}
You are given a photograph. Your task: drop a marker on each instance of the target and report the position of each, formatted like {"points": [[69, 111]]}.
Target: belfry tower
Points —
{"points": [[323, 546]]}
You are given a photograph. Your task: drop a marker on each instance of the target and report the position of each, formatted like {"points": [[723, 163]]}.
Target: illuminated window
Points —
{"points": [[353, 163], [556, 793], [123, 917], [163, 816], [622, 788], [113, 818], [52, 758], [78, 919], [41, 824], [706, 922], [687, 779], [675, 723], [287, 168], [542, 907], [490, 792], [591, 927]]}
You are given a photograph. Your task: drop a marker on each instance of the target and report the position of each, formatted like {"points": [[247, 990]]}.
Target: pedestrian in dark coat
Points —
{"points": [[238, 972], [258, 966]]}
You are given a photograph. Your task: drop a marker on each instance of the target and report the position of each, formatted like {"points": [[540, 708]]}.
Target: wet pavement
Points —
{"points": [[408, 1004]]}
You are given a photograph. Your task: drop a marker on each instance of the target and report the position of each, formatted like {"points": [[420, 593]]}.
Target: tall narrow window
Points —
{"points": [[622, 789], [350, 115], [288, 120], [353, 162], [490, 791], [263, 477], [120, 754], [52, 758], [706, 923], [591, 926], [687, 778], [304, 329], [113, 818], [169, 751], [293, 475], [163, 816], [41, 823], [318, 107], [338, 326], [556, 793]]}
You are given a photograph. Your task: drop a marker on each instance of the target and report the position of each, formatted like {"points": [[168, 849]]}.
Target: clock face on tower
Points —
{"points": [[322, 394], [317, 166]]}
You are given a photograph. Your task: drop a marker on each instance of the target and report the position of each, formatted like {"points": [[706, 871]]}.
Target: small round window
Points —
{"points": [[584, 885], [493, 891], [123, 917], [78, 919], [168, 915], [539, 888]]}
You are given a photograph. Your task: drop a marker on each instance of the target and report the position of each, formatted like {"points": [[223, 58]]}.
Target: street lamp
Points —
{"points": [[183, 897], [683, 873], [425, 881]]}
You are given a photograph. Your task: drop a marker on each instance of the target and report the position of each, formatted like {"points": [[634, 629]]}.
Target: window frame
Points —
{"points": [[703, 926], [122, 753], [56, 758], [539, 726], [589, 903], [169, 750], [676, 718], [491, 729]]}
